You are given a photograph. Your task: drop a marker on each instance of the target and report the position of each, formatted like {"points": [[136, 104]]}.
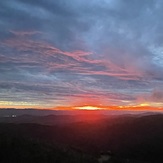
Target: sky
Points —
{"points": [[81, 53]]}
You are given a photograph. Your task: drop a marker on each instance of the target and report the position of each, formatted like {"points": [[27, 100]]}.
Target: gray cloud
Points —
{"points": [[108, 48]]}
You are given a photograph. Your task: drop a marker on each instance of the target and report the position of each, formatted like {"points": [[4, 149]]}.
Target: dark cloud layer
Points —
{"points": [[62, 52]]}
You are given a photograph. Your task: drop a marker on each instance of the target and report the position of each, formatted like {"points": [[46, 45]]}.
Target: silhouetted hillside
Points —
{"points": [[18, 149], [56, 119], [128, 137]]}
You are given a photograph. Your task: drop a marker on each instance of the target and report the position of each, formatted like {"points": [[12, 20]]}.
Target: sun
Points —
{"points": [[144, 104], [88, 108]]}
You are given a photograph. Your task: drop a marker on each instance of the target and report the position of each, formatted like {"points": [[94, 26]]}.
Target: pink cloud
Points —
{"points": [[77, 61]]}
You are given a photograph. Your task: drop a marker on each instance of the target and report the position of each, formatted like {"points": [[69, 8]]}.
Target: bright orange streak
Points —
{"points": [[116, 108], [88, 108]]}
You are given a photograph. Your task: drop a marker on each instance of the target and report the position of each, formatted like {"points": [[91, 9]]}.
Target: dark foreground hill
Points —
{"points": [[138, 138], [20, 149]]}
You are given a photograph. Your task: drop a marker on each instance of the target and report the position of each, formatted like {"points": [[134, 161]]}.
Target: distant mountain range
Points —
{"points": [[8, 112], [138, 137]]}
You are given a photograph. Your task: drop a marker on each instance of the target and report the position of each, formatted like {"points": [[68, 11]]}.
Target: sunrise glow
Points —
{"points": [[88, 108]]}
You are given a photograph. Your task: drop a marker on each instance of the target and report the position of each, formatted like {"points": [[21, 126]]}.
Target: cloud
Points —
{"points": [[58, 51], [76, 61], [157, 96], [154, 97]]}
